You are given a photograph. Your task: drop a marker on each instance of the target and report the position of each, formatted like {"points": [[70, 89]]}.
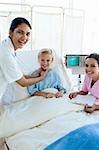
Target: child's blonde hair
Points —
{"points": [[46, 51]]}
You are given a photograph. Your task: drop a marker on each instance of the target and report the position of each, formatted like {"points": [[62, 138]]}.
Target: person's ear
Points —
{"points": [[52, 59], [10, 33]]}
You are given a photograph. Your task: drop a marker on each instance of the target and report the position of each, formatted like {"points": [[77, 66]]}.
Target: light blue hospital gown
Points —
{"points": [[52, 80]]}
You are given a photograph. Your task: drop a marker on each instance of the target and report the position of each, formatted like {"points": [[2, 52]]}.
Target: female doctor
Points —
{"points": [[19, 34]]}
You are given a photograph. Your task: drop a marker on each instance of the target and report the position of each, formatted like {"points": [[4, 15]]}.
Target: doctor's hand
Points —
{"points": [[36, 73], [89, 109], [44, 73]]}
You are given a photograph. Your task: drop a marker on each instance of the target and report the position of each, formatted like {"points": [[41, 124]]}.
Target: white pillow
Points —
{"points": [[32, 112], [61, 70], [28, 62]]}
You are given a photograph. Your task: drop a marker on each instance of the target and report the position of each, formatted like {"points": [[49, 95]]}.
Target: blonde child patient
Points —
{"points": [[52, 80]]}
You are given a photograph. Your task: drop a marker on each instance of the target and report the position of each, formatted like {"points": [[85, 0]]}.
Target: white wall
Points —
{"points": [[91, 19], [91, 24]]}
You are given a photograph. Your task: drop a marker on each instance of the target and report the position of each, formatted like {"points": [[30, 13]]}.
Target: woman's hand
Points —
{"points": [[89, 109], [73, 95]]}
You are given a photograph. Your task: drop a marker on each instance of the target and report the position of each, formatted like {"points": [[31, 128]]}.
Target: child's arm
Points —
{"points": [[44, 94]]}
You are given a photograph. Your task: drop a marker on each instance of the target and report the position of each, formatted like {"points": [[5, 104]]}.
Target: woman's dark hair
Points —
{"points": [[17, 21], [94, 56]]}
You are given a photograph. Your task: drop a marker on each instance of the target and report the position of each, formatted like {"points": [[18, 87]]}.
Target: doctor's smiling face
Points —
{"points": [[19, 32], [20, 36]]}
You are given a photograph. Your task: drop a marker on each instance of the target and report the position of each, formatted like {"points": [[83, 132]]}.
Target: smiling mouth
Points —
{"points": [[89, 73], [21, 43]]}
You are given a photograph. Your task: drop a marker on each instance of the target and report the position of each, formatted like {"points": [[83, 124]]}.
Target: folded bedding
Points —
{"points": [[84, 138], [33, 112]]}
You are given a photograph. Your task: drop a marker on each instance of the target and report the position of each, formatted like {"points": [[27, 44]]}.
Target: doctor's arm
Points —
{"points": [[24, 81]]}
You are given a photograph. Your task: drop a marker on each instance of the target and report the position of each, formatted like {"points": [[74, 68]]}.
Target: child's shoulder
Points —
{"points": [[53, 70]]}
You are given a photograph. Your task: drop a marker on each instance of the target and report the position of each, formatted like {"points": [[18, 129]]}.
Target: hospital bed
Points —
{"points": [[32, 123]]}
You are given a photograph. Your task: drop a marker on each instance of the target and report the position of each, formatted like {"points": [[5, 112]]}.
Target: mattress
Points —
{"points": [[39, 137], [32, 123]]}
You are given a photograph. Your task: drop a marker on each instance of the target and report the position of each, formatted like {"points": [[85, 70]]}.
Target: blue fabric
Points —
{"points": [[52, 80], [84, 138]]}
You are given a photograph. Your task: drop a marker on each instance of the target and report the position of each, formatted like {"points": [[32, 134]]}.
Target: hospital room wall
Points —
{"points": [[91, 24], [81, 32], [54, 28], [63, 31], [8, 11], [91, 19]]}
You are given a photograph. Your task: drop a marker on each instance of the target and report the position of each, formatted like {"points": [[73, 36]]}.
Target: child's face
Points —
{"points": [[45, 60], [92, 68]]}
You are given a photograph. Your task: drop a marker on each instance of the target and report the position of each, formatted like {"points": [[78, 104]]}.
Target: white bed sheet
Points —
{"points": [[39, 137], [18, 123], [32, 112]]}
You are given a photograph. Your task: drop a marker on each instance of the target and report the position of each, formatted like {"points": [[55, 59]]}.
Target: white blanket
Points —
{"points": [[33, 112], [39, 137], [84, 99]]}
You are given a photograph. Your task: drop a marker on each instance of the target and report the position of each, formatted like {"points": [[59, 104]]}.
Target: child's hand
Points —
{"points": [[59, 94], [36, 73], [89, 109], [73, 95], [49, 95]]}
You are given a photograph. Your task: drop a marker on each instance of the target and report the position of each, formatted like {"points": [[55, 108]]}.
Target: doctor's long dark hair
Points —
{"points": [[94, 56], [17, 21]]}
